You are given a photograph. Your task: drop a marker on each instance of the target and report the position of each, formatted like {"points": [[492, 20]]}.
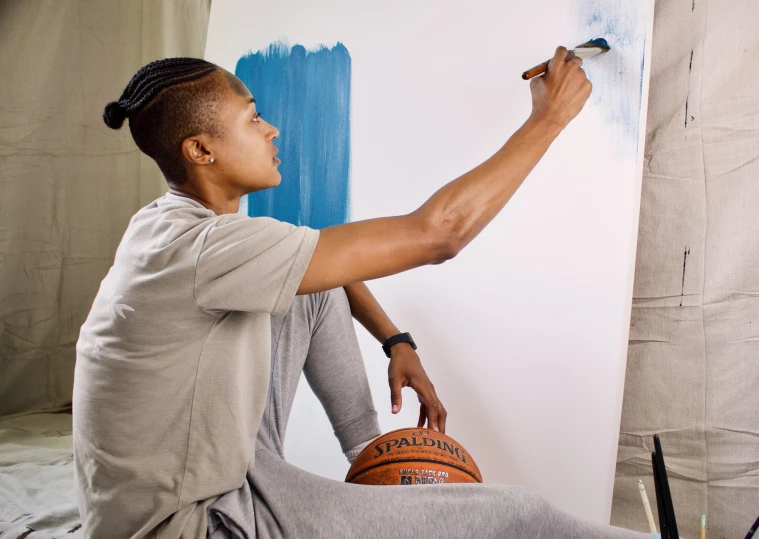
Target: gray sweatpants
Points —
{"points": [[279, 500]]}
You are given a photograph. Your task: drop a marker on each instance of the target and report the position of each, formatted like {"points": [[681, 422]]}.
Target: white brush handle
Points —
{"points": [[587, 52], [647, 507]]}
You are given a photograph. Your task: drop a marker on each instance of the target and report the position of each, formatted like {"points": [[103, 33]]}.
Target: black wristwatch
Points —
{"points": [[395, 339]]}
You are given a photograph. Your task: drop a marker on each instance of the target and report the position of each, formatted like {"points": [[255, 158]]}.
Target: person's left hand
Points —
{"points": [[406, 370]]}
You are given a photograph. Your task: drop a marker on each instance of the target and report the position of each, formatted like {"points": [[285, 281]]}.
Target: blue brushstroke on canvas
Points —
{"points": [[617, 76], [306, 95]]}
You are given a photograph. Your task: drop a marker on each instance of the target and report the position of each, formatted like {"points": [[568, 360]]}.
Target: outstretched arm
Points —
{"points": [[405, 369], [456, 213]]}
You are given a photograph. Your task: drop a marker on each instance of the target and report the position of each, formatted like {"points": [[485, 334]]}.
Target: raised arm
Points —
{"points": [[456, 213]]}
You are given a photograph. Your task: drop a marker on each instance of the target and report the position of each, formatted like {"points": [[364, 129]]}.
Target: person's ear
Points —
{"points": [[196, 151]]}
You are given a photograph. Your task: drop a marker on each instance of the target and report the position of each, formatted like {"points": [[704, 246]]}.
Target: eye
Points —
{"points": [[256, 116]]}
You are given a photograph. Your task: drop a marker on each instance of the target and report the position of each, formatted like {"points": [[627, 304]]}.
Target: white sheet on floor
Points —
{"points": [[37, 497]]}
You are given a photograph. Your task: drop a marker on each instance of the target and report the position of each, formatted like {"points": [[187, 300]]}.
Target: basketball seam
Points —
{"points": [[383, 463]]}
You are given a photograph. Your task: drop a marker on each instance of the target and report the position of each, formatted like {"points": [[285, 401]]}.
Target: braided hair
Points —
{"points": [[167, 101]]}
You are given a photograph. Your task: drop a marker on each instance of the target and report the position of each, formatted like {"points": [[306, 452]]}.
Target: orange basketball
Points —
{"points": [[413, 457]]}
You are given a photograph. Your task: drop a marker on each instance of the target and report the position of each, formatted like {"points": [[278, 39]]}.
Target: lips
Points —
{"points": [[275, 158]]}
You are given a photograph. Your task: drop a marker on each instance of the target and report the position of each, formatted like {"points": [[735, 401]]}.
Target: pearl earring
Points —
{"points": [[211, 160]]}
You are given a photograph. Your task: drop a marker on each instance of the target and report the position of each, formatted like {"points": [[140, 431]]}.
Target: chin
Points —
{"points": [[261, 184]]}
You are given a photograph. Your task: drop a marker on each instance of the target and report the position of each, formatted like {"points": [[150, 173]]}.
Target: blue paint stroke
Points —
{"points": [[306, 95], [617, 76]]}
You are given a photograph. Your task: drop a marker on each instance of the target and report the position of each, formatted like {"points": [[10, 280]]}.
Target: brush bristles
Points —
{"points": [[599, 43]]}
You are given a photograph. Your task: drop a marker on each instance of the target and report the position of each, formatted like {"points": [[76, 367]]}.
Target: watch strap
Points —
{"points": [[395, 339]]}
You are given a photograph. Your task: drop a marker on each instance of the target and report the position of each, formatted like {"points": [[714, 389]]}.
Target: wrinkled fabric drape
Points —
{"points": [[68, 184], [693, 360]]}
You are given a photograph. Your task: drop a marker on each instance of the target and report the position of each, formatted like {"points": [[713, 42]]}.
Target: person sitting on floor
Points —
{"points": [[189, 359]]}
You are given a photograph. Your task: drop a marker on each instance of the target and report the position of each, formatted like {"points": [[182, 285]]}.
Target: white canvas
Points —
{"points": [[524, 334]]}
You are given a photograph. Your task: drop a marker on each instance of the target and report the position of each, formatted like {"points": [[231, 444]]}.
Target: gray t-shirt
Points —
{"points": [[172, 365]]}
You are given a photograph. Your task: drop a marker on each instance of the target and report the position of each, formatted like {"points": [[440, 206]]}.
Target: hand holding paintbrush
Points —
{"points": [[586, 50], [560, 95]]}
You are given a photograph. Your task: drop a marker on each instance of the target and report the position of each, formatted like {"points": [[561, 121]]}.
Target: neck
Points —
{"points": [[214, 200]]}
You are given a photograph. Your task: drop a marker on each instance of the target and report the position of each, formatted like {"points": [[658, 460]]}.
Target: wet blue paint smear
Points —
{"points": [[617, 76], [306, 95]]}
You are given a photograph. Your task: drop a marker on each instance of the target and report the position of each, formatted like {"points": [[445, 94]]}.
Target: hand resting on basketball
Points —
{"points": [[405, 370]]}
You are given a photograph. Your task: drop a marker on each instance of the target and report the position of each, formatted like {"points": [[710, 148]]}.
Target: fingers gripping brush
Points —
{"points": [[586, 50]]}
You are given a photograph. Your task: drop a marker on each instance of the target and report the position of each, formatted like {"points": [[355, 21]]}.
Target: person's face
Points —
{"points": [[246, 158]]}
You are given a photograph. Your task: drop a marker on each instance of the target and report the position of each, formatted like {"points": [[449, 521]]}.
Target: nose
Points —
{"points": [[271, 131]]}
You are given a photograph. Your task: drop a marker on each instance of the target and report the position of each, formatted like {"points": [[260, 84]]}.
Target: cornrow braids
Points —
{"points": [[167, 101], [151, 79]]}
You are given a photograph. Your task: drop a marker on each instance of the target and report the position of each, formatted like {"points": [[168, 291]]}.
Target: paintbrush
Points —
{"points": [[647, 507], [586, 50]]}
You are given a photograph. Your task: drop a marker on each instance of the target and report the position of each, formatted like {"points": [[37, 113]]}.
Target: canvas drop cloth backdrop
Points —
{"points": [[68, 183], [693, 360]]}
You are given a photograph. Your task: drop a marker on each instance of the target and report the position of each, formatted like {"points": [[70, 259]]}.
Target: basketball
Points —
{"points": [[413, 457]]}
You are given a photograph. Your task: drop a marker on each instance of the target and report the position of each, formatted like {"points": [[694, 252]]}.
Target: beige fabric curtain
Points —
{"points": [[68, 184], [693, 361]]}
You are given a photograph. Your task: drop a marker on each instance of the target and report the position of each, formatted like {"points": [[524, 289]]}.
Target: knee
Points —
{"points": [[336, 301], [337, 294], [319, 304], [329, 306]]}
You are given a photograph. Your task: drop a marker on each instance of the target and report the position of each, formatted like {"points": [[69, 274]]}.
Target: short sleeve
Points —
{"points": [[252, 264]]}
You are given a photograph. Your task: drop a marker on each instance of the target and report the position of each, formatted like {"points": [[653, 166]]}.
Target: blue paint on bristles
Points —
{"points": [[599, 43]]}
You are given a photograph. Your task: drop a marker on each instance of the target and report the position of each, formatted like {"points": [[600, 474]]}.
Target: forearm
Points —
{"points": [[466, 205], [369, 313], [448, 221]]}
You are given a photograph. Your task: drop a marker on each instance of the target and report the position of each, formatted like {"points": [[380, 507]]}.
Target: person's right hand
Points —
{"points": [[560, 94]]}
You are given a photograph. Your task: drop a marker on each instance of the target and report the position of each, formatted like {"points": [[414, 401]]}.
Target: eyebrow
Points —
{"points": [[251, 99]]}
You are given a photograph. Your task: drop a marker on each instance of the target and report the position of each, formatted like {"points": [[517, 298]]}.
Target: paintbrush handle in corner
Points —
{"points": [[535, 71]]}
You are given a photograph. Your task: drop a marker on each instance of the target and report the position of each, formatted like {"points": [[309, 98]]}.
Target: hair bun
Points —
{"points": [[114, 115]]}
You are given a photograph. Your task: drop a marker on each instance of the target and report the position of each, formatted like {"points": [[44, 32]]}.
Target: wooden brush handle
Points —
{"points": [[535, 71], [542, 68]]}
